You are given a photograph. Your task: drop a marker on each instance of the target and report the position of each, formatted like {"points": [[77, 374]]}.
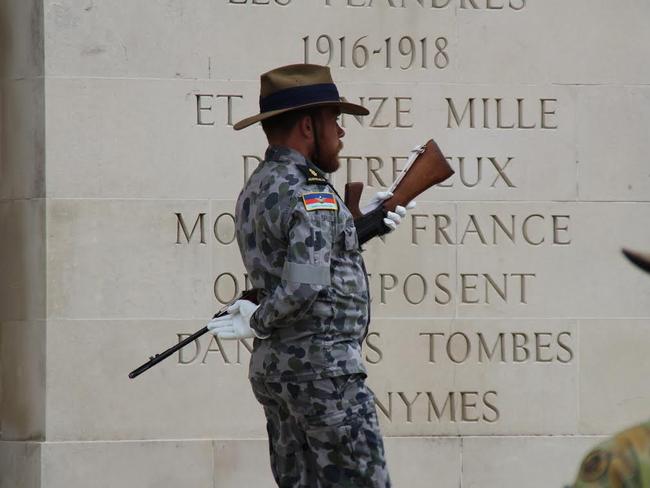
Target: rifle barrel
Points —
{"points": [[153, 360], [250, 295]]}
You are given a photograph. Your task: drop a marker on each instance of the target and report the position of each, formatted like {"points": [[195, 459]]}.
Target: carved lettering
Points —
{"points": [[380, 171], [565, 347], [499, 347], [468, 401], [385, 279], [409, 404], [205, 104], [226, 288], [490, 353], [463, 345], [507, 114], [439, 412], [224, 228], [378, 355], [541, 345], [215, 346], [381, 116], [387, 411], [473, 406], [182, 227], [184, 355], [249, 160], [520, 351], [492, 407], [419, 283], [374, 165], [492, 230], [281, 3], [475, 288], [474, 5], [211, 344]]}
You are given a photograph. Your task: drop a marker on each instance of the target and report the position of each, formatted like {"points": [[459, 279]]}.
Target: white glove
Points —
{"points": [[375, 201], [236, 323], [393, 219]]}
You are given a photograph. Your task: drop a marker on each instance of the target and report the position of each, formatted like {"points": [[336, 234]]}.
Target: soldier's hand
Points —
{"points": [[393, 219], [236, 323], [375, 201]]}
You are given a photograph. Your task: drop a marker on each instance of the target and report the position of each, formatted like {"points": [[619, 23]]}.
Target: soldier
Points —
{"points": [[299, 245], [624, 460]]}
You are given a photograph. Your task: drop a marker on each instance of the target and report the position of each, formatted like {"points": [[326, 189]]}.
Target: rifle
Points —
{"points": [[426, 167], [250, 295]]}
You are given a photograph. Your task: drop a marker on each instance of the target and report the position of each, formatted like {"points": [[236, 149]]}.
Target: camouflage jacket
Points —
{"points": [[622, 461], [299, 245]]}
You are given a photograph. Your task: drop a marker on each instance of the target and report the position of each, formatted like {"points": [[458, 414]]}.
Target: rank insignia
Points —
{"points": [[319, 201], [313, 177]]}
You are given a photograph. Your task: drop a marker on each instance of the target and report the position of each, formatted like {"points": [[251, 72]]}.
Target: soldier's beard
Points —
{"points": [[328, 162]]}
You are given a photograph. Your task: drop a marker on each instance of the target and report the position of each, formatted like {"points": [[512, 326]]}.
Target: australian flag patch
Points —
{"points": [[319, 201]]}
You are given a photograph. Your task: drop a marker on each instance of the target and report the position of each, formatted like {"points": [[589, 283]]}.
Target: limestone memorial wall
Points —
{"points": [[509, 334]]}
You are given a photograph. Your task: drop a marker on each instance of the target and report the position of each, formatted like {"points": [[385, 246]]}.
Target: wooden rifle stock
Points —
{"points": [[430, 168], [250, 295]]}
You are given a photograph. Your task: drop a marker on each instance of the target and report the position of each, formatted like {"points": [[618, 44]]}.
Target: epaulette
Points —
{"points": [[313, 177]]}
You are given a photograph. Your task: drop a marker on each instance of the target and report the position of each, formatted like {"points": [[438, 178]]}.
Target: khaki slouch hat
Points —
{"points": [[295, 87]]}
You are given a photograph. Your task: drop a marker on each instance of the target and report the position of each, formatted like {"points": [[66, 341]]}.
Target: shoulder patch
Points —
{"points": [[319, 201], [313, 177]]}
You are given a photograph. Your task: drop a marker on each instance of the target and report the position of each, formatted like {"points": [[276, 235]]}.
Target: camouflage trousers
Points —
{"points": [[323, 433]]}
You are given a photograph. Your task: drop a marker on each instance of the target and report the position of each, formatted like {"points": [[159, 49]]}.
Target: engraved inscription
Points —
{"points": [[208, 346], [475, 288], [181, 228], [381, 171], [231, 353], [533, 229], [223, 229], [453, 406], [505, 348], [500, 113], [385, 112], [205, 108], [403, 53], [281, 3], [488, 5]]}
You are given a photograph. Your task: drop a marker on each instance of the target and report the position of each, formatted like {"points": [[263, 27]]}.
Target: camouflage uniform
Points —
{"points": [[299, 245], [620, 462]]}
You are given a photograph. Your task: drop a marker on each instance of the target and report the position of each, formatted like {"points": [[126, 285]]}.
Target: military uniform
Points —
{"points": [[299, 246], [620, 462]]}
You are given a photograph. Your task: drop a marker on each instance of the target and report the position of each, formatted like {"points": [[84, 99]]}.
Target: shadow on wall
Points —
{"points": [[5, 44], [21, 38]]}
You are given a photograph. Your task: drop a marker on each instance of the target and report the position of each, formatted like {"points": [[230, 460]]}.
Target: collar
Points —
{"points": [[287, 155]]}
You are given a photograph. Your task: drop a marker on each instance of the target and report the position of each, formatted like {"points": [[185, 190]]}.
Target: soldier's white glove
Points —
{"points": [[393, 219], [236, 323], [375, 201]]}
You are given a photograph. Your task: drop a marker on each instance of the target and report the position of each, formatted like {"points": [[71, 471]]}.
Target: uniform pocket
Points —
{"points": [[329, 437], [351, 241], [345, 439]]}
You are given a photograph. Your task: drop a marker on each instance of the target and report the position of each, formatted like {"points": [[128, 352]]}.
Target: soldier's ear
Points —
{"points": [[306, 128]]}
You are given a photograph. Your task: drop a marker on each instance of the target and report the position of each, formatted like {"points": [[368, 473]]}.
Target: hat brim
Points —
{"points": [[345, 107], [640, 259]]}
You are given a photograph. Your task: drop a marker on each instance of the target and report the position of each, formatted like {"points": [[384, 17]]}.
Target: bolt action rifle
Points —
{"points": [[250, 295], [425, 168]]}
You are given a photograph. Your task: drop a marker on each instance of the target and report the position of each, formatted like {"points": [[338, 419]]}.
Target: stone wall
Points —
{"points": [[509, 334]]}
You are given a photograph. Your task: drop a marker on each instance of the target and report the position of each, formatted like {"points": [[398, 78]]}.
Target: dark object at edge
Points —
{"points": [[641, 260], [250, 295]]}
